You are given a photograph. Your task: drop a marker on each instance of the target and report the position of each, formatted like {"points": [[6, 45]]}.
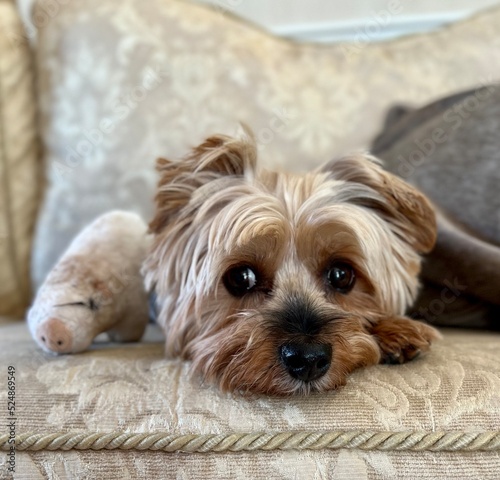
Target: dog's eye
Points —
{"points": [[341, 277], [240, 280]]}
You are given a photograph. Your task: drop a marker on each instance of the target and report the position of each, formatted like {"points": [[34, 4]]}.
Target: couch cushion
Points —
{"points": [[124, 82], [438, 415], [19, 162]]}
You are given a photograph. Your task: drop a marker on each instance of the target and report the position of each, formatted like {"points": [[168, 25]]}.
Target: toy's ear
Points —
{"points": [[406, 208], [218, 156]]}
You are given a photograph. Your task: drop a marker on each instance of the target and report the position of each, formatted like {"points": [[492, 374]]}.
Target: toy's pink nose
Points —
{"points": [[55, 336]]}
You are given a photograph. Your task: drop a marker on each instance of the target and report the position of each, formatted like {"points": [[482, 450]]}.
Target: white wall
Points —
{"points": [[343, 20]]}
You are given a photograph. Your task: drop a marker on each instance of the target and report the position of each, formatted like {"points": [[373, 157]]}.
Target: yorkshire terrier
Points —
{"points": [[281, 283]]}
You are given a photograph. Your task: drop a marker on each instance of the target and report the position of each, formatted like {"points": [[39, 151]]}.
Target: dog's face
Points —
{"points": [[273, 282]]}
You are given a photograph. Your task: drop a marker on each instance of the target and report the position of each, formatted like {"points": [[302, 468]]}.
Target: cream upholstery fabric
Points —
{"points": [[125, 81], [132, 388], [19, 157], [104, 60]]}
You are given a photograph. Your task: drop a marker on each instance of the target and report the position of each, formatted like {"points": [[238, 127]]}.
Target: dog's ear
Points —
{"points": [[218, 156], [401, 204]]}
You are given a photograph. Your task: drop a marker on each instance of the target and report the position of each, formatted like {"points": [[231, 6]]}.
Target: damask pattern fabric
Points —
{"points": [[19, 163], [125, 81], [276, 465], [133, 388]]}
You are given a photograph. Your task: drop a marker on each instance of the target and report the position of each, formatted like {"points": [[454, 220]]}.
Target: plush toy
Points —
{"points": [[95, 287]]}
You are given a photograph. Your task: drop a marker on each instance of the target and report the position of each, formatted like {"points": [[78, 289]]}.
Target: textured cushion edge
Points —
{"points": [[19, 161]]}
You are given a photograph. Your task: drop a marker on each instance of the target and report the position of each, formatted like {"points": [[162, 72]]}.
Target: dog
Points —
{"points": [[278, 283]]}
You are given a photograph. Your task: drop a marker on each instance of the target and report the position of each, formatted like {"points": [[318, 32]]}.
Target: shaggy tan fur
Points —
{"points": [[218, 210]]}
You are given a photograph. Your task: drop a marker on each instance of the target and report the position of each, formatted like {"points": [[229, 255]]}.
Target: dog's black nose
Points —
{"points": [[306, 361]]}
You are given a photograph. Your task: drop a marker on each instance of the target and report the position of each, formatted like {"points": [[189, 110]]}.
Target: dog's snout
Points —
{"points": [[306, 361]]}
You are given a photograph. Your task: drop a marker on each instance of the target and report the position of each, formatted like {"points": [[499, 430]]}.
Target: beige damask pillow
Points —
{"points": [[125, 81], [19, 162]]}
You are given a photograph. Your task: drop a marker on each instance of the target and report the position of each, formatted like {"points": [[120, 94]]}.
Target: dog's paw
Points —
{"points": [[401, 339]]}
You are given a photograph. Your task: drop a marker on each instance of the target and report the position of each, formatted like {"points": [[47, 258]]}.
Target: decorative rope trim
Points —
{"points": [[237, 442]]}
